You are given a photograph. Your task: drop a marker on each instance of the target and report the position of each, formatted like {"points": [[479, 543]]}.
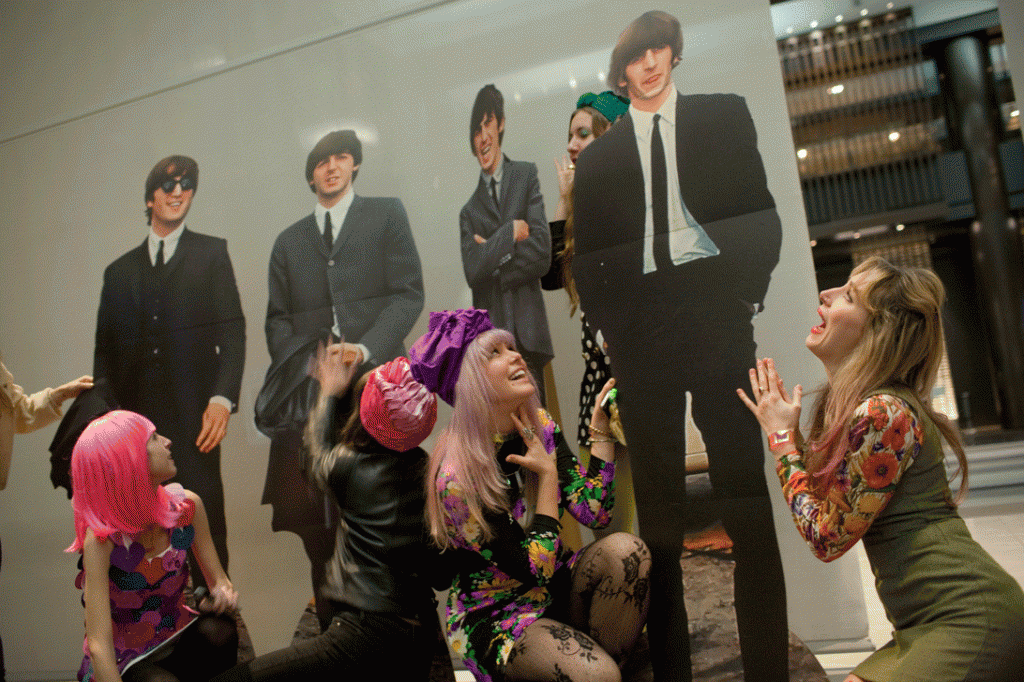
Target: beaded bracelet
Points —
{"points": [[598, 431]]}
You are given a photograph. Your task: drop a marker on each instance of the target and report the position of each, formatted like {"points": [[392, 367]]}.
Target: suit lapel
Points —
{"points": [[509, 179], [348, 226], [686, 128], [486, 202], [633, 196], [184, 244]]}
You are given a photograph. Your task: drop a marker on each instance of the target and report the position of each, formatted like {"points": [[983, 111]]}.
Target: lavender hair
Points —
{"points": [[113, 492], [467, 443]]}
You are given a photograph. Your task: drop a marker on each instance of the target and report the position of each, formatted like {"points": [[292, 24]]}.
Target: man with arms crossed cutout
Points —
{"points": [[506, 242]]}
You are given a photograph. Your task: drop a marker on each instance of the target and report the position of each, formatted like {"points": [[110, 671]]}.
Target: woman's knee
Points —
{"points": [[218, 631], [625, 553]]}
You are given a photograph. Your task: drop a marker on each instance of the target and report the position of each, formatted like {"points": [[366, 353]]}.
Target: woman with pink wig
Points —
{"points": [[523, 606], [134, 534]]}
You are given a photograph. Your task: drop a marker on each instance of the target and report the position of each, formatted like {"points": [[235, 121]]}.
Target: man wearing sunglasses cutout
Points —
{"points": [[170, 336]]}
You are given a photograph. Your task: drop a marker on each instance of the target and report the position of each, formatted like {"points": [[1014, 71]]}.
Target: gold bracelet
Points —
{"points": [[594, 429]]}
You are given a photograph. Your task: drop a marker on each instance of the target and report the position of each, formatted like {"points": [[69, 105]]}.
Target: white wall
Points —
{"points": [[95, 92]]}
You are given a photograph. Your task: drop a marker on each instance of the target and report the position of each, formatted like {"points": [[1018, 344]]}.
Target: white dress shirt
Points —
{"points": [[687, 240], [338, 214]]}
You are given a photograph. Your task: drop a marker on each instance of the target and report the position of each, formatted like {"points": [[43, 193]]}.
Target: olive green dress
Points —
{"points": [[957, 614]]}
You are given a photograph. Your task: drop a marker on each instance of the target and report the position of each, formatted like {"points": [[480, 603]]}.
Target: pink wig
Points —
{"points": [[467, 443], [113, 492]]}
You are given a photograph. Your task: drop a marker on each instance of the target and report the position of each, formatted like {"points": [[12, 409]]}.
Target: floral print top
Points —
{"points": [[147, 601], [885, 439], [506, 583]]}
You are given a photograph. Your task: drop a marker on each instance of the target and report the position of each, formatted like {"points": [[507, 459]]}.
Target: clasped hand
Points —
{"points": [[221, 599], [772, 405]]}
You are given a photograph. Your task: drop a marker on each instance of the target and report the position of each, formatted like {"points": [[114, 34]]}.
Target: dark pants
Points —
{"points": [[696, 338], [361, 645], [301, 508], [206, 648], [197, 471], [536, 362]]}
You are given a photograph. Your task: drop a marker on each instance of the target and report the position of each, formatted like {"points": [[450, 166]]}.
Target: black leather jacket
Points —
{"points": [[383, 560]]}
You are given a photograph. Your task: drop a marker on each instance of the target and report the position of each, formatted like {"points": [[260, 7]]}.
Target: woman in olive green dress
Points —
{"points": [[872, 469]]}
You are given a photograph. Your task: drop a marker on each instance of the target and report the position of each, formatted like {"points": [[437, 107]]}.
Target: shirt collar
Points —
{"points": [[170, 241], [497, 174], [643, 121], [338, 212]]}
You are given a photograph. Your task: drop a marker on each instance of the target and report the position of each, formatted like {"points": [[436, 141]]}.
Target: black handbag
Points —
{"points": [[288, 390]]}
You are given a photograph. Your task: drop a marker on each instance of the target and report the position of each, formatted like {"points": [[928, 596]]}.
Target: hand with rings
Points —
{"points": [[536, 458], [566, 171], [774, 408]]}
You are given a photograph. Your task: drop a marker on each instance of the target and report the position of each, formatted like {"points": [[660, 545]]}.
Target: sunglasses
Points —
{"points": [[186, 183]]}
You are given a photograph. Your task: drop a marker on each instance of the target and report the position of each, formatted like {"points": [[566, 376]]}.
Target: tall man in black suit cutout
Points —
{"points": [[676, 239], [170, 337], [506, 242], [348, 270]]}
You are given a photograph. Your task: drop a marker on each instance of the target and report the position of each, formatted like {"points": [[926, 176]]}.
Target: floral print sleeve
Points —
{"points": [[528, 556], [588, 494], [884, 440]]}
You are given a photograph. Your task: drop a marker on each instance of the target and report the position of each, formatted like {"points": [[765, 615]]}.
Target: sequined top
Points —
{"points": [[147, 601]]}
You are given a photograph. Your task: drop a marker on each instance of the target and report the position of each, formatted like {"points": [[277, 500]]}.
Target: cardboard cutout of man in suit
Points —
{"points": [[349, 270], [676, 238], [506, 242], [170, 337]]}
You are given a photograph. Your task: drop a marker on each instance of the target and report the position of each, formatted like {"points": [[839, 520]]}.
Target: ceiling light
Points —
{"points": [[893, 136], [814, 24], [801, 153], [836, 89], [864, 12]]}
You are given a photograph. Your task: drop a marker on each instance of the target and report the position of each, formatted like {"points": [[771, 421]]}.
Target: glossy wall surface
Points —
{"points": [[95, 92]]}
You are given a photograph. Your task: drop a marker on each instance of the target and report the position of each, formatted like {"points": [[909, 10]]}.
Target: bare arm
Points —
{"points": [[222, 592], [99, 627]]}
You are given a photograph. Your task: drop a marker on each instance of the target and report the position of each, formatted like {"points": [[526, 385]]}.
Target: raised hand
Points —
{"points": [[772, 405]]}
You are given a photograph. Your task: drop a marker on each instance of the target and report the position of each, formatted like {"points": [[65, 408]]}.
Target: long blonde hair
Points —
{"points": [[901, 346], [467, 443]]}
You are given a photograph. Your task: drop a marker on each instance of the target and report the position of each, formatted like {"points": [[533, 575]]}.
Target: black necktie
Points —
{"points": [[328, 237], [659, 199], [160, 255], [494, 192]]}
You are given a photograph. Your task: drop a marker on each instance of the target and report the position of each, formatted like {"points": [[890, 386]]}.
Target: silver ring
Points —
{"points": [[527, 433]]}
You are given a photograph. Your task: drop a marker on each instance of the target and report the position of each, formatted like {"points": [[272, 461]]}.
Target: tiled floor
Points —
{"points": [[995, 517]]}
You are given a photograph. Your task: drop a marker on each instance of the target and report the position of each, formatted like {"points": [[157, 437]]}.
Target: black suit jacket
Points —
{"points": [[371, 279], [204, 319], [722, 183]]}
